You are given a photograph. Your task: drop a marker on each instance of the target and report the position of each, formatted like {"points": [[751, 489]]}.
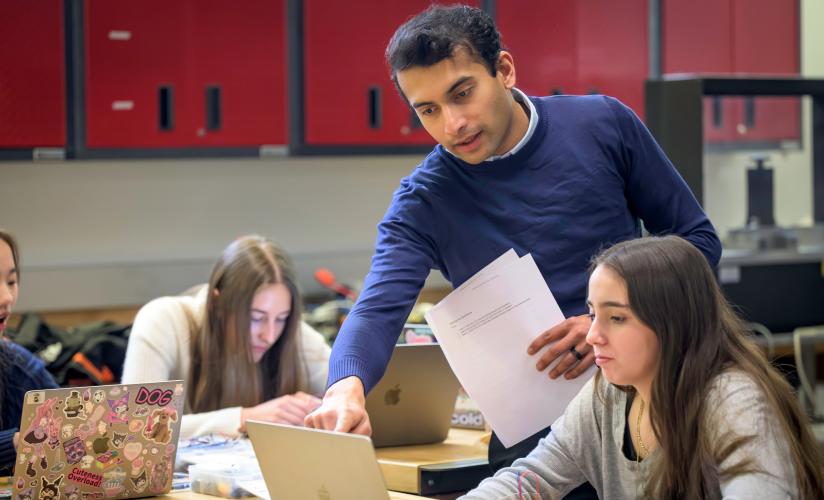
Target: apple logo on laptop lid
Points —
{"points": [[393, 395]]}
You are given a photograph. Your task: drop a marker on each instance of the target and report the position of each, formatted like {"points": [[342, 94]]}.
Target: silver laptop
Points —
{"points": [[414, 401], [300, 463], [107, 441]]}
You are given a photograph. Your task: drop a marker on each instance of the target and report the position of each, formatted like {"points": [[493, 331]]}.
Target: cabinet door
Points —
{"points": [[766, 36], [696, 36], [697, 39], [237, 57], [136, 74], [612, 54], [32, 84], [766, 42], [541, 36], [581, 47], [349, 96], [737, 37]]}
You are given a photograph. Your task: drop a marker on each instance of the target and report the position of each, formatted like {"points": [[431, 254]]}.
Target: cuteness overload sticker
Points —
{"points": [[102, 442]]}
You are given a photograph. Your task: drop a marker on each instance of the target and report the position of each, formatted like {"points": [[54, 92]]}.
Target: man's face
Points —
{"points": [[463, 107]]}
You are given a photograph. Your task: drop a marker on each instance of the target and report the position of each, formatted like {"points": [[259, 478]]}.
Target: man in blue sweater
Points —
{"points": [[559, 177]]}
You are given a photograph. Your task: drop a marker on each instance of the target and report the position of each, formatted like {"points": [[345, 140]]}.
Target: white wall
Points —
{"points": [[106, 233]]}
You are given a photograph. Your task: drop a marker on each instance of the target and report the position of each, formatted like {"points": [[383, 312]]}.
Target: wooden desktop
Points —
{"points": [[457, 464], [190, 495]]}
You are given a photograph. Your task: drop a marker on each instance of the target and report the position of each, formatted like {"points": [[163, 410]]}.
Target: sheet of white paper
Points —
{"points": [[484, 328], [507, 258], [222, 450]]}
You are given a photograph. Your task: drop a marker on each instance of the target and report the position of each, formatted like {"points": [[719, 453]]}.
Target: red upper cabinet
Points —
{"points": [[731, 36], [696, 36], [612, 49], [767, 43], [737, 37], [581, 47], [133, 50], [185, 74], [237, 60], [766, 36], [349, 98], [541, 36], [32, 84], [697, 39]]}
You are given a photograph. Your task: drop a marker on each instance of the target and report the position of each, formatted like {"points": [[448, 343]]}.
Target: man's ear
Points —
{"points": [[506, 69]]}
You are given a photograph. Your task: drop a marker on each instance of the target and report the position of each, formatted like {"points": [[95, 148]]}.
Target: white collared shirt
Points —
{"points": [[533, 122]]}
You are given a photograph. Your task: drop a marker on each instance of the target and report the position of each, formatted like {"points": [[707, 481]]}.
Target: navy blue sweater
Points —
{"points": [[588, 176], [20, 372]]}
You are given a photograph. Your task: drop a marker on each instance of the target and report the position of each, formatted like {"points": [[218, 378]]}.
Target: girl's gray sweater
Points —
{"points": [[586, 445]]}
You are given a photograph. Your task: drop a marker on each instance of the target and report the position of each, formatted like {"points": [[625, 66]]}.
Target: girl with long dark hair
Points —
{"points": [[685, 404]]}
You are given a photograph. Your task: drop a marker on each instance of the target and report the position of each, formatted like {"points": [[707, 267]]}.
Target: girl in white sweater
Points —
{"points": [[238, 343]]}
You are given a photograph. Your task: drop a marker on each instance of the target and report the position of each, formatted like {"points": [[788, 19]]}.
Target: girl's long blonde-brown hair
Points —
{"points": [[672, 289], [223, 372]]}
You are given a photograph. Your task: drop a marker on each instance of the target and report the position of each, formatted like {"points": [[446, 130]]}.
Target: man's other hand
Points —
{"points": [[569, 348]]}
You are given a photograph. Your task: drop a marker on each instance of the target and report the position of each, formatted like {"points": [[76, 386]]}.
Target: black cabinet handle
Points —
{"points": [[213, 107], [375, 112], [717, 112], [749, 111], [165, 114]]}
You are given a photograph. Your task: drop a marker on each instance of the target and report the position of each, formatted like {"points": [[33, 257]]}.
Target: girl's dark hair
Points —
{"points": [[7, 237], [434, 34], [672, 289], [5, 353]]}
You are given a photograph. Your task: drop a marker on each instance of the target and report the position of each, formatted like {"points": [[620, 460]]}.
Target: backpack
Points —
{"points": [[87, 354]]}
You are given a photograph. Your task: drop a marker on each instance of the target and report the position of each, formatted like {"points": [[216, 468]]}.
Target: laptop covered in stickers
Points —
{"points": [[106, 441]]}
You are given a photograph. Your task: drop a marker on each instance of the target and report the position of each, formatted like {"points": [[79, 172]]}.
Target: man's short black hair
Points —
{"points": [[434, 34]]}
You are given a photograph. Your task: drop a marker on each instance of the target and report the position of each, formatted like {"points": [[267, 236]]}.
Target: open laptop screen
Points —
{"points": [[414, 401]]}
